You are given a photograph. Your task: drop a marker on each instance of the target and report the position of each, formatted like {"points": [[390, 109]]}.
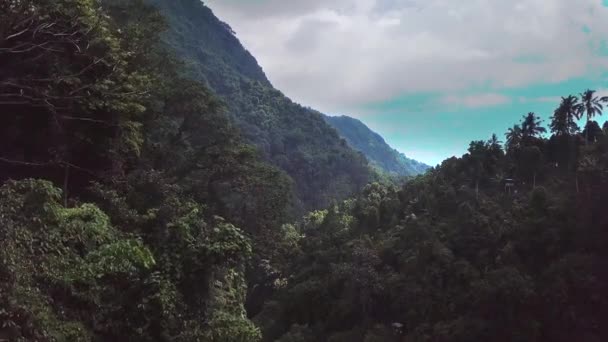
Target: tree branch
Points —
{"points": [[85, 119], [60, 163], [18, 162]]}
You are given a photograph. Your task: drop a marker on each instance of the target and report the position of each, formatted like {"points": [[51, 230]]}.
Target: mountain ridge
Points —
{"points": [[290, 136], [360, 137]]}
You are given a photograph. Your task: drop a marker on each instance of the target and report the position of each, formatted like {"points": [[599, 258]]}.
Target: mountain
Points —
{"points": [[295, 139], [373, 146]]}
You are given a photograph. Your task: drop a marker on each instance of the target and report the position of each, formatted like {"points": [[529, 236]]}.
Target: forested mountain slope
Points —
{"points": [[291, 137], [373, 146], [503, 244]]}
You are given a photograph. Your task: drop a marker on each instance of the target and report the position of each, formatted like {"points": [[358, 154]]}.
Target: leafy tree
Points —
{"points": [[495, 155], [531, 161], [167, 164], [66, 78], [66, 271], [477, 153], [593, 131]]}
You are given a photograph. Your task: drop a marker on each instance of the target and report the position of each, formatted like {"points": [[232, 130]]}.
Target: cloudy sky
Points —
{"points": [[428, 75]]}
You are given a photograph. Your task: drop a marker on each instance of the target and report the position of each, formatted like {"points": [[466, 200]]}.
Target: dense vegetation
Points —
{"points": [[132, 210], [372, 145], [295, 139], [499, 245], [122, 184]]}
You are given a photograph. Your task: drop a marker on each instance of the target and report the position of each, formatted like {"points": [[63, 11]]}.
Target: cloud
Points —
{"points": [[475, 101], [550, 99], [540, 99], [557, 99], [337, 55], [252, 10]]}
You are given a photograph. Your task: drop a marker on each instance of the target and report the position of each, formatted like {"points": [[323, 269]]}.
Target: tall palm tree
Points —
{"points": [[494, 142], [531, 126], [564, 118], [592, 106], [514, 136]]}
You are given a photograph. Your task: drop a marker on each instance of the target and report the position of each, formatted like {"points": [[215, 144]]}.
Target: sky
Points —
{"points": [[428, 75]]}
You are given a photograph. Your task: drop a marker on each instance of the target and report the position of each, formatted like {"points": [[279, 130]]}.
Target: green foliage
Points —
{"points": [[119, 257], [456, 255], [168, 224], [67, 268], [150, 258], [293, 138], [69, 77], [58, 263], [373, 146]]}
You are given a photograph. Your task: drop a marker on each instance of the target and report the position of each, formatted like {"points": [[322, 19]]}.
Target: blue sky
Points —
{"points": [[429, 132], [428, 75]]}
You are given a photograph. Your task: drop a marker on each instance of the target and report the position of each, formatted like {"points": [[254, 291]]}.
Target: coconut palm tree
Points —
{"points": [[564, 118], [494, 142], [531, 126], [514, 136], [592, 106]]}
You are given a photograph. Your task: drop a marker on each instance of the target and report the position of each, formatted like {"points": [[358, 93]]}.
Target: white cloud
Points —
{"points": [[338, 54], [550, 99], [543, 99], [475, 101]]}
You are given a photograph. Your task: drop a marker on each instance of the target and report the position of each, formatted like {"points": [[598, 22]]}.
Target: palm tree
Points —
{"points": [[494, 142], [564, 118], [592, 106], [514, 136], [494, 154], [531, 126], [495, 146]]}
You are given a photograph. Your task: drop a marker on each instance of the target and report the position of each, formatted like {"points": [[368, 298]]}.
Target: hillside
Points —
{"points": [[295, 139], [460, 253], [373, 146]]}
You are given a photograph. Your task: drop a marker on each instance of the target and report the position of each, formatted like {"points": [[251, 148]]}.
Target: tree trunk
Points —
{"points": [[534, 181], [587, 132], [477, 190], [576, 182]]}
